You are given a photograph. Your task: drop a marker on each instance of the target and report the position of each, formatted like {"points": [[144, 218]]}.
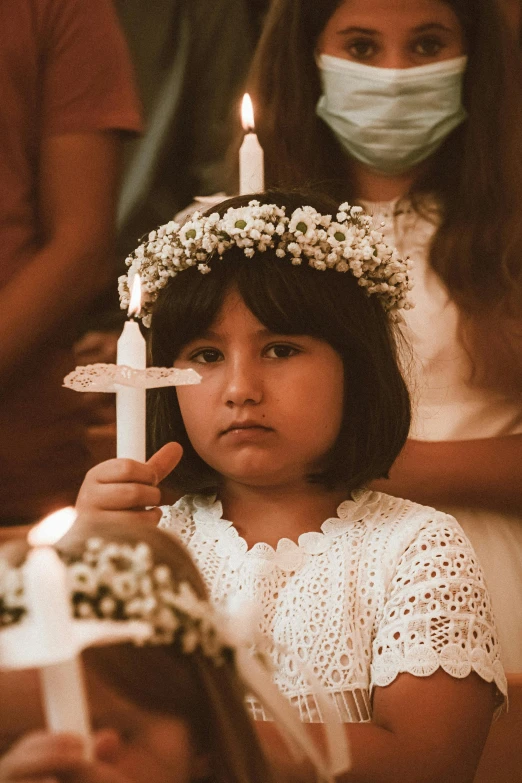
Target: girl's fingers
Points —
{"points": [[115, 471], [41, 755], [118, 497], [165, 460], [107, 745]]}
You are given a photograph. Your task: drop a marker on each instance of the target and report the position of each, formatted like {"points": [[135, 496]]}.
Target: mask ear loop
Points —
{"points": [[242, 631]]}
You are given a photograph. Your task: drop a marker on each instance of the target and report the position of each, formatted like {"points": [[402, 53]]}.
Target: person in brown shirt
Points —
{"points": [[67, 92]]}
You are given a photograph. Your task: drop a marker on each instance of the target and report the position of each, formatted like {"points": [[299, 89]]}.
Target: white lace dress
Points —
{"points": [[388, 586]]}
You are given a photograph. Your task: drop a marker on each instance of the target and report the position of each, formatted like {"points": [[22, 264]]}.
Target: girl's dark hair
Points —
{"points": [[476, 174], [287, 299]]}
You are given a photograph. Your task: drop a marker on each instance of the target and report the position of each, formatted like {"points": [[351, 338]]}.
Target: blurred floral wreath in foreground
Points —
{"points": [[112, 581], [349, 243]]}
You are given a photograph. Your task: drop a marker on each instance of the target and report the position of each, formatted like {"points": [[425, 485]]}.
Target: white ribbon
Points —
{"points": [[241, 631]]}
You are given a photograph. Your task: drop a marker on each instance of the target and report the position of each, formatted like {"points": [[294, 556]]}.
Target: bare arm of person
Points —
{"points": [[78, 178], [424, 730]]}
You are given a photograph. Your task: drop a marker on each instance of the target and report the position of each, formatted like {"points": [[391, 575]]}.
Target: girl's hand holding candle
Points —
{"points": [[131, 402], [251, 156]]}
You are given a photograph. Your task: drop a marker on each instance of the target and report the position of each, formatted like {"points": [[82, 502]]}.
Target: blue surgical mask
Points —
{"points": [[391, 118]]}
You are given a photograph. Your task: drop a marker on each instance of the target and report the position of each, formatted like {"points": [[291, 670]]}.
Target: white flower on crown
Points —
{"points": [[82, 578], [350, 243], [12, 606]]}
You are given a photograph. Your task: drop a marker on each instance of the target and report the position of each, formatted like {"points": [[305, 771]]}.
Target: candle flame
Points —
{"points": [[135, 299], [52, 527], [247, 114]]}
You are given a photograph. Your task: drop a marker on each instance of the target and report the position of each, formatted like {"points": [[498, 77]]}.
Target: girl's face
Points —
{"points": [[398, 34], [142, 746], [270, 406]]}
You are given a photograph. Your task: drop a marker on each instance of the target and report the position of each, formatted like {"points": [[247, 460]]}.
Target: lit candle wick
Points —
{"points": [[251, 156], [247, 114], [52, 528], [135, 297]]}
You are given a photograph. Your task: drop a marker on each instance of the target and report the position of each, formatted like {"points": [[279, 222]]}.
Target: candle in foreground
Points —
{"points": [[131, 402], [49, 608], [251, 156]]}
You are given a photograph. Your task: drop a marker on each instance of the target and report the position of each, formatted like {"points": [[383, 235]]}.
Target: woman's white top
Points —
{"points": [[387, 586], [448, 405]]}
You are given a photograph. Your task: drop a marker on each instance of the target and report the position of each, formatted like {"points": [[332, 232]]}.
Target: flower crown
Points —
{"points": [[351, 243], [112, 581]]}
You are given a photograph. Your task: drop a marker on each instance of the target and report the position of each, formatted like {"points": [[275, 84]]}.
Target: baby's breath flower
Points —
{"points": [[84, 610], [82, 579], [124, 585], [107, 606], [349, 243], [190, 641], [162, 575]]}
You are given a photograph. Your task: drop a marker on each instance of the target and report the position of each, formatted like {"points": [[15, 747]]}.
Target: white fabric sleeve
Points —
{"points": [[437, 612]]}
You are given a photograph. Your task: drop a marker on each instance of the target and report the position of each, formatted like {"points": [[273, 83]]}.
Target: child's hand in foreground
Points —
{"points": [[41, 757], [115, 488]]}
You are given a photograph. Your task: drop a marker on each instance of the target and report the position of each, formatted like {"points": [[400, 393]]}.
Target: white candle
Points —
{"points": [[251, 156], [131, 402], [49, 609]]}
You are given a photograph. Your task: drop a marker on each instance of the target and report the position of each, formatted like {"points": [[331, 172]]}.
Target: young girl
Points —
{"points": [[288, 315], [169, 711], [414, 110]]}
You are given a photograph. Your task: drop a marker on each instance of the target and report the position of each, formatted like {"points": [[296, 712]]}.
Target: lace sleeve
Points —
{"points": [[438, 611]]}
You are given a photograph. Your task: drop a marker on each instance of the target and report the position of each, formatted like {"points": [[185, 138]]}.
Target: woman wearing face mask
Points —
{"points": [[413, 108]]}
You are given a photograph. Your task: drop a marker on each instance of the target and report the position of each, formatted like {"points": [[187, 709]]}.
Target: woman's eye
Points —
{"points": [[281, 351], [207, 356], [428, 46], [361, 48]]}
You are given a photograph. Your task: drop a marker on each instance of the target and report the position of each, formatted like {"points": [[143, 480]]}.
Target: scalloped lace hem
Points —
{"points": [[393, 665], [207, 513]]}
